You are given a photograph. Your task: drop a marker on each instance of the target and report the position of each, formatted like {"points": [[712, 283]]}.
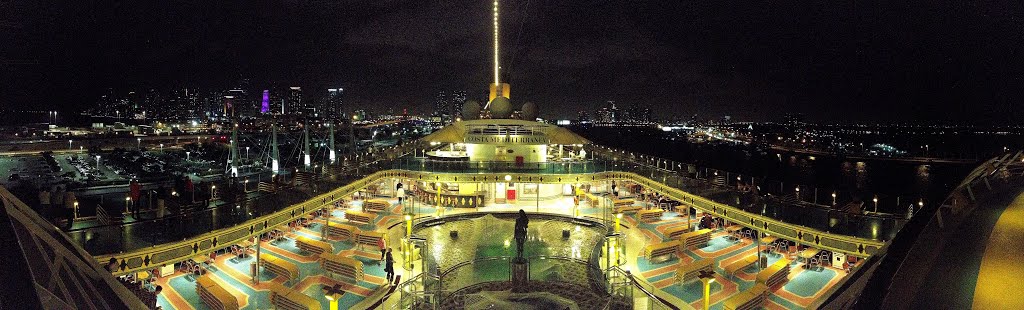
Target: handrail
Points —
{"points": [[67, 256], [895, 254], [207, 241], [650, 294], [590, 267], [419, 222]]}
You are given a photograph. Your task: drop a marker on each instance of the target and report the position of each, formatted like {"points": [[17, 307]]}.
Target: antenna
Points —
{"points": [[498, 89], [496, 68]]}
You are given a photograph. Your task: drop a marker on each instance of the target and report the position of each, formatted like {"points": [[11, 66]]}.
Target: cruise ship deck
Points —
{"points": [[662, 231]]}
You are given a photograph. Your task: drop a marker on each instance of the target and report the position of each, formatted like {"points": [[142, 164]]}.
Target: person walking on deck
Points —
{"points": [[389, 266], [382, 245]]}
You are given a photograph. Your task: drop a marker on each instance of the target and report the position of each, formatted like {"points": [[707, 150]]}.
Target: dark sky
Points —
{"points": [[926, 61]]}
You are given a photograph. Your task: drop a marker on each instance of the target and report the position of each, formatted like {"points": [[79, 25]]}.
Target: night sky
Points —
{"points": [[926, 61]]}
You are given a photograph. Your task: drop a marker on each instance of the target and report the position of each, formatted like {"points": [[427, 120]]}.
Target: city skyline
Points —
{"points": [[355, 154], [843, 63]]}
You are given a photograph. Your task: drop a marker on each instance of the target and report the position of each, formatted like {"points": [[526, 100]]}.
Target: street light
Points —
{"points": [[69, 144], [187, 155], [875, 200], [247, 152], [161, 147], [139, 144], [833, 198]]}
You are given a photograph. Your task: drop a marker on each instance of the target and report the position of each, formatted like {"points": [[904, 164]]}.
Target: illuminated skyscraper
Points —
{"points": [[330, 107], [455, 107], [582, 116], [295, 102], [440, 104], [265, 103]]}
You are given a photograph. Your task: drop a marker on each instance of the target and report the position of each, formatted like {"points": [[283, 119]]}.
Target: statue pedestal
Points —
{"points": [[519, 274]]}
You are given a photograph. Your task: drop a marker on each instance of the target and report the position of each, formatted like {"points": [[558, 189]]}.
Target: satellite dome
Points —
{"points": [[500, 107], [470, 110], [530, 111]]}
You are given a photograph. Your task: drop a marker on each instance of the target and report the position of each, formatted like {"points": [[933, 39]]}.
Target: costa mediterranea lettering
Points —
{"points": [[506, 139]]}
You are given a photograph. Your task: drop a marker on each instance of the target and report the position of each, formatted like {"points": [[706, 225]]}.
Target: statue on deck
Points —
{"points": [[522, 222]]}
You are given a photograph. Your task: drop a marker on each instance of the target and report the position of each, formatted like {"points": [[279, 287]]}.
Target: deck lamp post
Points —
{"points": [[798, 192], [333, 294], [833, 198], [75, 215], [875, 200], [127, 202], [407, 243], [707, 277], [618, 220], [408, 225]]}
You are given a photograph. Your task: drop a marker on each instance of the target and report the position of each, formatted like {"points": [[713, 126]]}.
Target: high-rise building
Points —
{"points": [[632, 114], [603, 115], [440, 104], [278, 102], [265, 102], [645, 115], [582, 116], [360, 115], [614, 115], [458, 99], [794, 119], [298, 107], [182, 104], [331, 106], [240, 103], [608, 114]]}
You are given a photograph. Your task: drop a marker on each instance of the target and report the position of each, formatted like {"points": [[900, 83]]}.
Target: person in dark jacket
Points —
{"points": [[389, 266]]}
